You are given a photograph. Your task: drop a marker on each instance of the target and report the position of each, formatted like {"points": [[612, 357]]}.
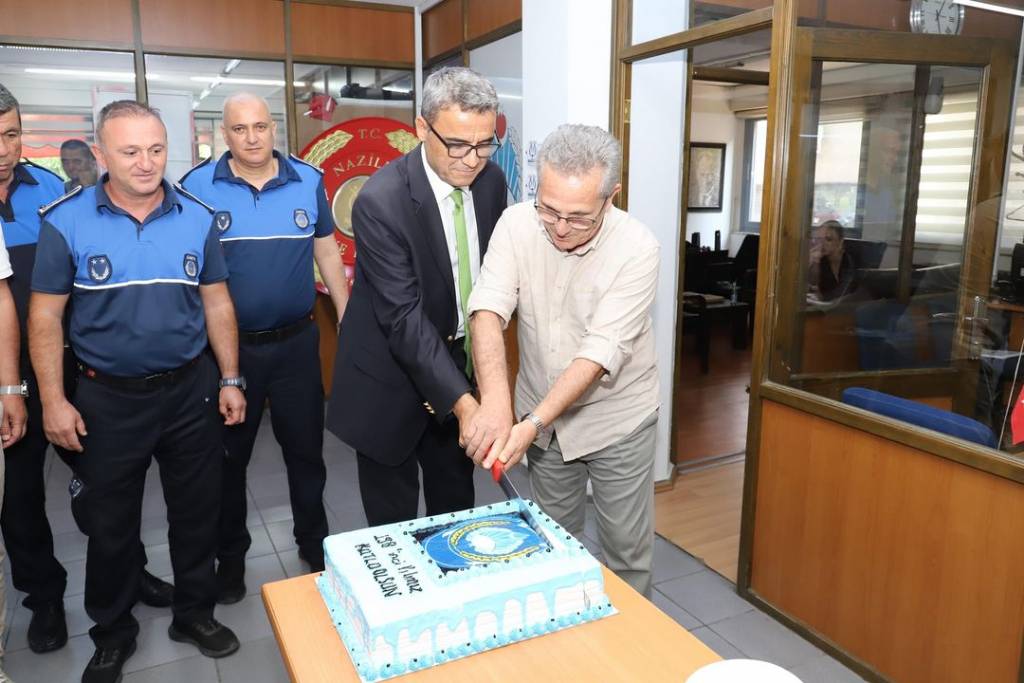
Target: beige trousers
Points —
{"points": [[622, 478]]}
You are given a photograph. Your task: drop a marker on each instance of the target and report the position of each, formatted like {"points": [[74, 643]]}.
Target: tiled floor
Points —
{"points": [[696, 597]]}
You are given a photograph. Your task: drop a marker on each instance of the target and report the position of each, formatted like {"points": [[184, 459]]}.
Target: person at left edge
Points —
{"points": [[12, 419], [145, 275], [273, 220], [35, 571]]}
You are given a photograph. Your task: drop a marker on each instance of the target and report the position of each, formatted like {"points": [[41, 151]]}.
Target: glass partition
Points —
{"points": [[326, 95], [707, 12], [657, 18], [190, 93], [501, 62], [60, 91], [891, 221]]}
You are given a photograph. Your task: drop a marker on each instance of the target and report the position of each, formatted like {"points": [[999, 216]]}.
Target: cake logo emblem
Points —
{"points": [[483, 541]]}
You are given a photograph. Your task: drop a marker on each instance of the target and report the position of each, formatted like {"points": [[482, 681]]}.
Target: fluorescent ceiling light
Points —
{"points": [[991, 7], [402, 91], [244, 81], [90, 73]]}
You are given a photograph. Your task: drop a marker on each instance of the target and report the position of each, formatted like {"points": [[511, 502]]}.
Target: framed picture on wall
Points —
{"points": [[707, 176]]}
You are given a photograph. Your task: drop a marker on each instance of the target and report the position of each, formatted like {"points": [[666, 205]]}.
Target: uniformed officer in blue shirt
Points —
{"points": [[145, 273], [24, 188], [273, 219]]}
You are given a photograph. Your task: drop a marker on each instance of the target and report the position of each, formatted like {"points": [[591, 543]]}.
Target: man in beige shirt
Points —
{"points": [[582, 276]]}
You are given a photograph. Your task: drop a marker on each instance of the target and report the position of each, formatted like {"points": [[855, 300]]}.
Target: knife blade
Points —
{"points": [[500, 476]]}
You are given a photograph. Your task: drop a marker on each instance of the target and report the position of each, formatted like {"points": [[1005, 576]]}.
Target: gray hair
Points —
{"points": [[576, 149], [459, 87], [8, 102], [121, 108]]}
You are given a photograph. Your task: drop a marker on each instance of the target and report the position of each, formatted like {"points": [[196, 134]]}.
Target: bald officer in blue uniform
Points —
{"points": [[24, 188], [273, 220], [145, 274]]}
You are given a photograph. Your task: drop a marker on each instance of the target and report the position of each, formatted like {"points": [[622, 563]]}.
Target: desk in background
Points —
{"points": [[640, 643]]}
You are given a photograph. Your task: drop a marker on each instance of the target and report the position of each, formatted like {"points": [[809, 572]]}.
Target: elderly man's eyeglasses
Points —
{"points": [[550, 218], [460, 150]]}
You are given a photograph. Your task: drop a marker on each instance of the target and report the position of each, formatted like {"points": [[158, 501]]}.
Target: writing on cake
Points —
{"points": [[381, 572]]}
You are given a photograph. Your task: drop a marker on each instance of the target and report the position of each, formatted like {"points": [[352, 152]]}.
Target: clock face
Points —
{"points": [[943, 17]]}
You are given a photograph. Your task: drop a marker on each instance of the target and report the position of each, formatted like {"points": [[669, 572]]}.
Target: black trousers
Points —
{"points": [[179, 425], [34, 569], [392, 493], [288, 373]]}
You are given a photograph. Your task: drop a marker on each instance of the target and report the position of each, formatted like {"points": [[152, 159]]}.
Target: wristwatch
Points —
{"points": [[233, 382], [537, 422], [15, 389]]}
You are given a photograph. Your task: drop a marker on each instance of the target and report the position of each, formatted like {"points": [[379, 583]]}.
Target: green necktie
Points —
{"points": [[465, 275]]}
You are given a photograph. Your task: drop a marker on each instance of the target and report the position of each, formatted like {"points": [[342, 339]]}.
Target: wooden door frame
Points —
{"points": [[624, 55], [778, 235]]}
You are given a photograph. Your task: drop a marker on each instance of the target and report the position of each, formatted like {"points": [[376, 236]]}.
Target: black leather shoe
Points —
{"points": [[213, 638], [48, 631], [315, 559], [155, 592], [106, 664], [230, 581]]}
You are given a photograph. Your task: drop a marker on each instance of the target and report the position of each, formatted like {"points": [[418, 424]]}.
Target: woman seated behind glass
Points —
{"points": [[831, 269]]}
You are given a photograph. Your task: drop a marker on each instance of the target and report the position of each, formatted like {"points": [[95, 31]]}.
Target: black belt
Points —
{"points": [[276, 335], [160, 379]]}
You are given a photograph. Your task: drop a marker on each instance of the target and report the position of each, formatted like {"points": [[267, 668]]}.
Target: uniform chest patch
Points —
{"points": [[191, 266], [222, 219], [301, 219], [99, 268]]}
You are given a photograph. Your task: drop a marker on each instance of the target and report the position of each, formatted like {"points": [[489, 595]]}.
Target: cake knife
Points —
{"points": [[499, 475]]}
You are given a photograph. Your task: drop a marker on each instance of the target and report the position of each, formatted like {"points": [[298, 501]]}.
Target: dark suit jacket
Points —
{"points": [[394, 369]]}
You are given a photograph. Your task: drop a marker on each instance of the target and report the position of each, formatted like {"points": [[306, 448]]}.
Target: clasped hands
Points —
{"points": [[487, 433]]}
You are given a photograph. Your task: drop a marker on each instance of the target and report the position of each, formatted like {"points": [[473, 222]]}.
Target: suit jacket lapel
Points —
{"points": [[429, 215]]}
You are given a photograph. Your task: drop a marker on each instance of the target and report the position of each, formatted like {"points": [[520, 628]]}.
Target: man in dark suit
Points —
{"points": [[402, 393]]}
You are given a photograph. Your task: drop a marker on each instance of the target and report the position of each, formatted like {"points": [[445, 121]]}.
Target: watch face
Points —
{"points": [[942, 17]]}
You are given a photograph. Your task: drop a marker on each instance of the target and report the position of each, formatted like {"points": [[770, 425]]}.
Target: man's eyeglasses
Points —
{"points": [[550, 218], [460, 150]]}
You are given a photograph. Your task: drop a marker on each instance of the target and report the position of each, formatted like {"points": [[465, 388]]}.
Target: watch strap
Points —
{"points": [[15, 389], [537, 422]]}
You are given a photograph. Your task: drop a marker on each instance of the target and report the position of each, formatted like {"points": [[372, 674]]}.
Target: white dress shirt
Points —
{"points": [[5, 263], [446, 205]]}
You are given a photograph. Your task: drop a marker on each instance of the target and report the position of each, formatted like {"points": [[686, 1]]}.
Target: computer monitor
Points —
{"points": [[1017, 271]]}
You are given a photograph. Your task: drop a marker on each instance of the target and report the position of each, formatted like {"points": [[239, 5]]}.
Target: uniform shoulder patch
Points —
{"points": [[305, 163], [29, 162], [202, 163], [46, 207], [185, 193]]}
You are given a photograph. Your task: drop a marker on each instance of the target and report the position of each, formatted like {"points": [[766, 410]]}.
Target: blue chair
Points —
{"points": [[920, 414]]}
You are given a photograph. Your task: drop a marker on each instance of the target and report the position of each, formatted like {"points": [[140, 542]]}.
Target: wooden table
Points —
{"points": [[640, 643]]}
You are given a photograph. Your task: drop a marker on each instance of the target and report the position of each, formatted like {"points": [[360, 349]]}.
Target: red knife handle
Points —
{"points": [[497, 469]]}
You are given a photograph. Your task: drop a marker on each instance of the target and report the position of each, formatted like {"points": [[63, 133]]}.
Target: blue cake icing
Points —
{"points": [[416, 594]]}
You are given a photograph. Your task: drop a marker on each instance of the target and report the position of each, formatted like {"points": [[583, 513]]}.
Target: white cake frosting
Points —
{"points": [[411, 595]]}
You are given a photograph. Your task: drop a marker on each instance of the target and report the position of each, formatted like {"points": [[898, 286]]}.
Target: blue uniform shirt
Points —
{"points": [[31, 188], [267, 236], [135, 303]]}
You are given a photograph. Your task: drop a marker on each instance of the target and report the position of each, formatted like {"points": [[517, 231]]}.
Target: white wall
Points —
{"points": [[566, 70], [566, 78], [655, 174], [711, 120]]}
